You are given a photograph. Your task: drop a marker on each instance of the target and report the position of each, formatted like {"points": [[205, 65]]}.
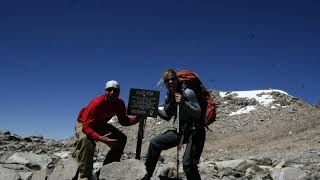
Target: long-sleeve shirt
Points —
{"points": [[99, 111], [190, 110]]}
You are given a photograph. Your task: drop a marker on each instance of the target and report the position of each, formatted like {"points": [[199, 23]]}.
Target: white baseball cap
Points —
{"points": [[113, 84]]}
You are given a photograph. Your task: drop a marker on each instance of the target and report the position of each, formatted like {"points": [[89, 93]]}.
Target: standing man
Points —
{"points": [[191, 124], [92, 126]]}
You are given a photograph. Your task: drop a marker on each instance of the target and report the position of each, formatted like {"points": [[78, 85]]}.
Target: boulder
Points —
{"points": [[65, 169], [288, 173], [31, 160], [40, 175], [231, 163], [8, 174], [130, 169]]}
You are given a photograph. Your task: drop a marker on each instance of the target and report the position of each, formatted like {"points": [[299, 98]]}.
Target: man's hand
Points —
{"points": [[179, 98], [107, 140]]}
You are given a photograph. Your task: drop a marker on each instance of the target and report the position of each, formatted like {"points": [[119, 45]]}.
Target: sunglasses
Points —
{"points": [[116, 90], [170, 79]]}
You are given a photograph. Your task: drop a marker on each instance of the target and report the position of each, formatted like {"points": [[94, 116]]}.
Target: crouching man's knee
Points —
{"points": [[120, 143]]}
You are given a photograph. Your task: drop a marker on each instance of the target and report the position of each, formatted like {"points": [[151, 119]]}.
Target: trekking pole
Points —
{"points": [[178, 132]]}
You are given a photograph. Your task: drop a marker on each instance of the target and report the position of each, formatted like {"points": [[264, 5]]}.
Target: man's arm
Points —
{"points": [[88, 119], [123, 118]]}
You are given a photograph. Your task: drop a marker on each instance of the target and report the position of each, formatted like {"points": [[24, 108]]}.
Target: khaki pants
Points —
{"points": [[85, 147]]}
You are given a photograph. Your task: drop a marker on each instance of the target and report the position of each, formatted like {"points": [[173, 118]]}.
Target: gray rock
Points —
{"points": [[207, 168], [7, 133], [15, 167], [231, 163], [315, 176], [22, 172], [4, 155], [25, 175], [64, 170], [130, 169], [8, 174], [40, 175], [167, 170], [227, 171], [263, 161], [244, 165], [9, 138], [34, 138], [288, 173], [30, 159], [281, 164], [262, 177]]}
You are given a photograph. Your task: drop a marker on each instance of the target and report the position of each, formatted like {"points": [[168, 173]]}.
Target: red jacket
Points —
{"points": [[98, 112]]}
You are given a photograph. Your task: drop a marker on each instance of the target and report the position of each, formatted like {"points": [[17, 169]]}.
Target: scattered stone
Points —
{"points": [[28, 139], [227, 171], [281, 165], [245, 165], [263, 161]]}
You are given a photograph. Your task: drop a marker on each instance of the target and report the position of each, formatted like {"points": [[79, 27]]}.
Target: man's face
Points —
{"points": [[112, 94], [171, 82]]}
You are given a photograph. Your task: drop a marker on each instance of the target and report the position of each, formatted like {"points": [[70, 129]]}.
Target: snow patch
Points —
{"points": [[244, 110]]}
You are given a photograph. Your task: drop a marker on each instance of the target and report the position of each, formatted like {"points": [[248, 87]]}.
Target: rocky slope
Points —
{"points": [[258, 135]]}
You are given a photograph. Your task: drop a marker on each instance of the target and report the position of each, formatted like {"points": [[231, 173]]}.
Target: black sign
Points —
{"points": [[143, 103]]}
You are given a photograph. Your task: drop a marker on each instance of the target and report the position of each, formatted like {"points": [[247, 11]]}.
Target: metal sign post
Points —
{"points": [[140, 137]]}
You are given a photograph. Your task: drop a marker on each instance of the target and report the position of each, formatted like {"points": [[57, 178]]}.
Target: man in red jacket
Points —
{"points": [[92, 125]]}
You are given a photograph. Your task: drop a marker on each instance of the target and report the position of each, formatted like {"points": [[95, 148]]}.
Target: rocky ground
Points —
{"points": [[279, 140]]}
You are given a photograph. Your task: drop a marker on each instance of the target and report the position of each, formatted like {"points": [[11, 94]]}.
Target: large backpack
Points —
{"points": [[191, 80]]}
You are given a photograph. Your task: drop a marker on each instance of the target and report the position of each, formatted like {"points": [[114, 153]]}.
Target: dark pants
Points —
{"points": [[85, 148], [191, 155]]}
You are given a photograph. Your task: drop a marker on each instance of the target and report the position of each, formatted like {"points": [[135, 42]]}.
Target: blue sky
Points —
{"points": [[55, 56]]}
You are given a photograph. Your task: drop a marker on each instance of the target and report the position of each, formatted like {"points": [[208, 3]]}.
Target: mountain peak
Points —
{"points": [[264, 97]]}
